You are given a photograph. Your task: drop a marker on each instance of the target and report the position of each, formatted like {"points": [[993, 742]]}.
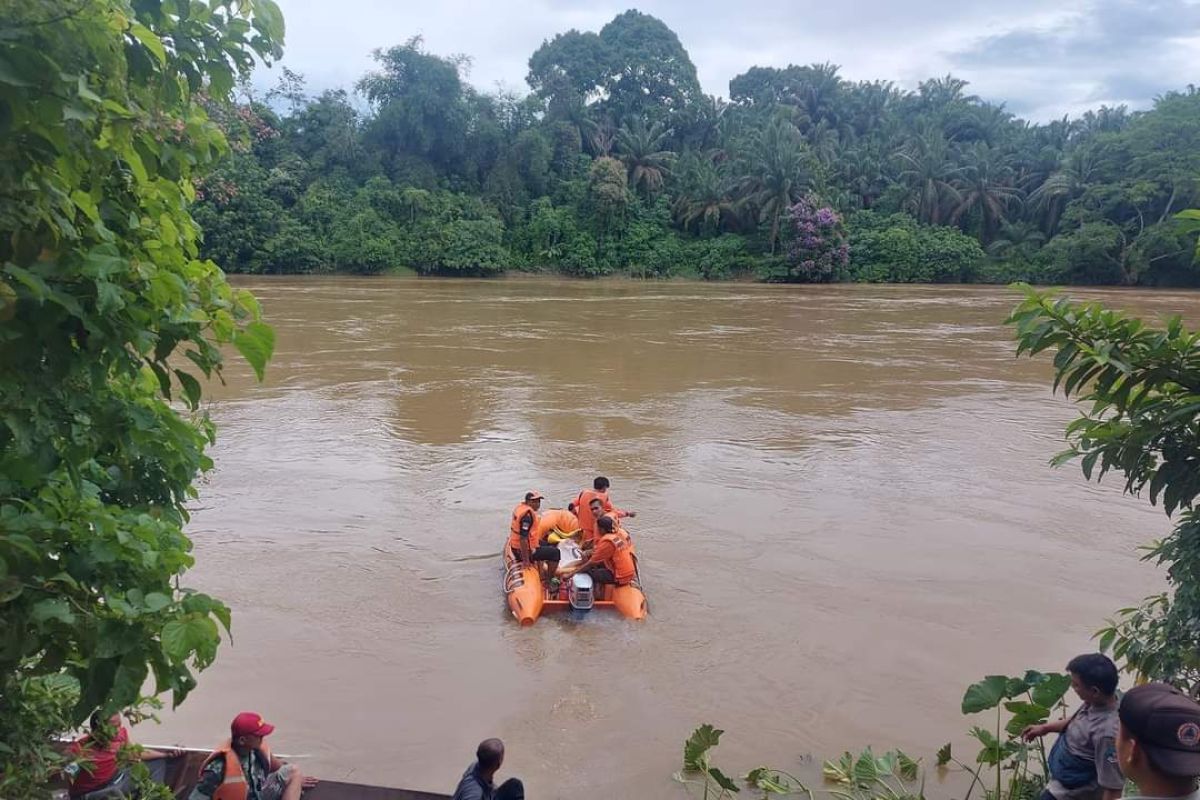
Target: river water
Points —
{"points": [[845, 516]]}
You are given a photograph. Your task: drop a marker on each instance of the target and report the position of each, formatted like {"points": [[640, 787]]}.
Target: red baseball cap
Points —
{"points": [[530, 496], [248, 723]]}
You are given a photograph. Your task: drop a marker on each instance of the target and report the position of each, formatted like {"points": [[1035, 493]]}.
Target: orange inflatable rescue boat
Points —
{"points": [[528, 597]]}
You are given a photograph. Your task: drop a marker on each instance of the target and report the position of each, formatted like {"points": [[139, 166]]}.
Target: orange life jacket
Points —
{"points": [[233, 784], [514, 538], [623, 567], [557, 519], [583, 510], [621, 532]]}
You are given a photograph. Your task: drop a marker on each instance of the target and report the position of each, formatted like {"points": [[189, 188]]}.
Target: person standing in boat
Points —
{"points": [[243, 768], [525, 537], [478, 782], [588, 517]]}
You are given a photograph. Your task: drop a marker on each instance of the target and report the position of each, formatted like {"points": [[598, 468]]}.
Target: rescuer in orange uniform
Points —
{"points": [[583, 507], [611, 559], [524, 538]]}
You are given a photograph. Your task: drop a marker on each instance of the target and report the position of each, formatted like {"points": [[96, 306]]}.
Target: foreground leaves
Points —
{"points": [[107, 315], [1139, 387]]}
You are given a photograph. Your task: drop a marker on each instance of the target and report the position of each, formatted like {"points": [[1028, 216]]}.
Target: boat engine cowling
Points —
{"points": [[581, 592]]}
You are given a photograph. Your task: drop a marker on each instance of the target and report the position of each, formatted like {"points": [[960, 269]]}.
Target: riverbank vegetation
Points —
{"points": [[1139, 387], [617, 162], [1005, 768], [108, 315]]}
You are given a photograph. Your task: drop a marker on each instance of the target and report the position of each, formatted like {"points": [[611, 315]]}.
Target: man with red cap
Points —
{"points": [[243, 768], [1158, 742]]}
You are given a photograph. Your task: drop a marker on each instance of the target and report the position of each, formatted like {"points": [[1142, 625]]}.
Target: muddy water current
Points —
{"points": [[845, 516]]}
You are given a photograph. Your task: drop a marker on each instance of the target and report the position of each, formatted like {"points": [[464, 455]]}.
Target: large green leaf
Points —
{"points": [[181, 637], [1051, 690], [191, 388], [985, 694], [256, 343], [696, 748], [723, 780], [150, 41], [1024, 714]]}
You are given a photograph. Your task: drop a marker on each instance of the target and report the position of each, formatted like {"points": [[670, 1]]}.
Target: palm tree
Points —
{"points": [[643, 151], [861, 171], [1018, 240], [1075, 172], [577, 116], [818, 92], [928, 171], [704, 202], [824, 142], [702, 128], [777, 168], [986, 187]]}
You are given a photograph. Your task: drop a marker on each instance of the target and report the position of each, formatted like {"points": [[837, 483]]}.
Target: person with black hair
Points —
{"points": [[1083, 762], [478, 782], [587, 517], [1158, 742], [97, 757]]}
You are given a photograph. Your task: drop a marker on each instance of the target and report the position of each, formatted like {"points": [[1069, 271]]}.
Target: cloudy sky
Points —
{"points": [[1043, 59]]}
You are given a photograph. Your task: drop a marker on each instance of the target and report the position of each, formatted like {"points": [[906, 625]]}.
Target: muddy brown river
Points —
{"points": [[845, 516]]}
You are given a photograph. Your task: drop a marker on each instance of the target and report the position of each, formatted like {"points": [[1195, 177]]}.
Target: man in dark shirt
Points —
{"points": [[478, 781]]}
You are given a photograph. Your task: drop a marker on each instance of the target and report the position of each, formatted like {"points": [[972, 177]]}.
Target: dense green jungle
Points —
{"points": [[615, 162]]}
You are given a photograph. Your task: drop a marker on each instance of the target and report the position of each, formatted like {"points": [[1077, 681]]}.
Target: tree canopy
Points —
{"points": [[111, 319], [1084, 200]]}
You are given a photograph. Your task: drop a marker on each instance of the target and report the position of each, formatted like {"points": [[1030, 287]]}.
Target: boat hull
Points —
{"points": [[528, 598]]}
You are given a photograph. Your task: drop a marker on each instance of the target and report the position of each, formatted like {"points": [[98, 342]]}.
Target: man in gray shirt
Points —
{"points": [[1083, 762], [478, 781]]}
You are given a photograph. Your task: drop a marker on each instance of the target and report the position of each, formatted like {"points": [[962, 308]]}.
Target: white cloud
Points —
{"points": [[1042, 60]]}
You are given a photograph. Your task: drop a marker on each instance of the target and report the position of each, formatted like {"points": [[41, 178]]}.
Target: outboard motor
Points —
{"points": [[580, 592]]}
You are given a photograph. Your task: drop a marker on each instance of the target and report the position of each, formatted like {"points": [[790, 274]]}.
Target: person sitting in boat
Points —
{"points": [[243, 768], [478, 782], [558, 524], [97, 758], [583, 507], [611, 560], [525, 541]]}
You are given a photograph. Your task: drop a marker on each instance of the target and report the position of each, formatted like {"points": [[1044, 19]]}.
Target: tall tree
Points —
{"points": [[777, 169], [420, 103], [928, 171], [643, 150], [985, 188]]}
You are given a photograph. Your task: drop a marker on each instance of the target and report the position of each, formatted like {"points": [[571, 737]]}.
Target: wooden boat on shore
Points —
{"points": [[528, 597], [179, 775]]}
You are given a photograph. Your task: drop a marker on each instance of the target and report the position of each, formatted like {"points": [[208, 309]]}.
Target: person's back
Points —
{"points": [[558, 521], [477, 782]]}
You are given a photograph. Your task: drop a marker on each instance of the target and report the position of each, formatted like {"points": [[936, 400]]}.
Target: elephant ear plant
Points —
{"points": [[1028, 700], [714, 784]]}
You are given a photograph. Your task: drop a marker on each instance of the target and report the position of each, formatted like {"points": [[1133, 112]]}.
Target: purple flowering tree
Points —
{"points": [[817, 244]]}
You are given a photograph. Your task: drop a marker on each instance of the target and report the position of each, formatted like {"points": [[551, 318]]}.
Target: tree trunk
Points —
{"points": [[1170, 202]]}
